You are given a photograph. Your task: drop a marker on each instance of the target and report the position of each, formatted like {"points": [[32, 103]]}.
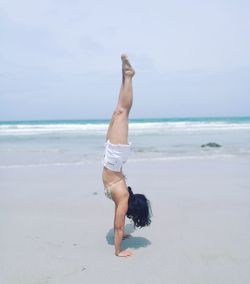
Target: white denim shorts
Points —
{"points": [[115, 155]]}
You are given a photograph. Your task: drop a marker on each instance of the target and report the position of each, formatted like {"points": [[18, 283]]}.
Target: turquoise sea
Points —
{"points": [[62, 142]]}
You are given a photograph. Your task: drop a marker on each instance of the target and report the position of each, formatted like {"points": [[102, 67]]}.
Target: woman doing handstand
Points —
{"points": [[117, 149]]}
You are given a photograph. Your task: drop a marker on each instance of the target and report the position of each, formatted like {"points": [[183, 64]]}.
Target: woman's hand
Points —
{"points": [[124, 253]]}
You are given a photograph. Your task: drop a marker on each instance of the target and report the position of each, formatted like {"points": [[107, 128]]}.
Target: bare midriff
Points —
{"points": [[110, 177]]}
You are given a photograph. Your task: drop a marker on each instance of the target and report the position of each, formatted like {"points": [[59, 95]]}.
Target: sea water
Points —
{"points": [[63, 142]]}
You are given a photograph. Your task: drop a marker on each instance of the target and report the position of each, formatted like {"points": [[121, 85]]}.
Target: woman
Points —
{"points": [[117, 149]]}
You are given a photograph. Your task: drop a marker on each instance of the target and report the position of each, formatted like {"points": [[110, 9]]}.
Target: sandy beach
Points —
{"points": [[156, 90], [56, 224]]}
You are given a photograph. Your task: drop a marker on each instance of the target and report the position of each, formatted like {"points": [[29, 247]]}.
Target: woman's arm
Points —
{"points": [[119, 224]]}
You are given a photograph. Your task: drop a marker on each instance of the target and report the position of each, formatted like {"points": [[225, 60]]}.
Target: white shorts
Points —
{"points": [[116, 155]]}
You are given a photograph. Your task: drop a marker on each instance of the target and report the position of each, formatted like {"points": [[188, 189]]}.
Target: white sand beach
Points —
{"points": [[56, 224]]}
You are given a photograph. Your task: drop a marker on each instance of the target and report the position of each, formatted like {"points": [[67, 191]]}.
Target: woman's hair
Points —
{"points": [[139, 209]]}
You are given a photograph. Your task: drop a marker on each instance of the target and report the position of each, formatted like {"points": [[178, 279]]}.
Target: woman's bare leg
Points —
{"points": [[118, 127]]}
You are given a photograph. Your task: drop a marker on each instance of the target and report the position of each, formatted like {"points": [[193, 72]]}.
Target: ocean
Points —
{"points": [[64, 142]]}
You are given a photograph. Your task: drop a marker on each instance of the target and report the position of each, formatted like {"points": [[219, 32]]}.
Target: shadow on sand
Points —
{"points": [[131, 242]]}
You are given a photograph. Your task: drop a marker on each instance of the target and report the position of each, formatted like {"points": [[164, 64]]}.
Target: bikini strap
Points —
{"points": [[111, 184]]}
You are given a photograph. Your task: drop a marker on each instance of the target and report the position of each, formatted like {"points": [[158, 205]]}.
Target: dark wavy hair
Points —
{"points": [[139, 209]]}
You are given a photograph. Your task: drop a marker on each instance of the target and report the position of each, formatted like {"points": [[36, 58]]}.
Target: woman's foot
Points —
{"points": [[127, 69]]}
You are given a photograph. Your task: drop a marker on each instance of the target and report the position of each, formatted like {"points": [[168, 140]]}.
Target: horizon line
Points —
{"points": [[132, 118]]}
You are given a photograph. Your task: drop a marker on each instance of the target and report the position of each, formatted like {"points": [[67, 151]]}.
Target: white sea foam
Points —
{"points": [[135, 128], [187, 126], [31, 129]]}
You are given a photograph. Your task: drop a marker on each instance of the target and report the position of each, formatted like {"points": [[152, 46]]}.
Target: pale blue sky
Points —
{"points": [[61, 59]]}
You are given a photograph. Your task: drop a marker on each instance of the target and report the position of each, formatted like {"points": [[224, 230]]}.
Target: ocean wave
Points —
{"points": [[135, 128], [187, 126], [31, 129]]}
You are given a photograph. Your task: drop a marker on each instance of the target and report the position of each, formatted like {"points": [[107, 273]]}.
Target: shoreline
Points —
{"points": [[132, 160]]}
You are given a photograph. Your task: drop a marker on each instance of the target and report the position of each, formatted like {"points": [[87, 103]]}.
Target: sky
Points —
{"points": [[61, 59]]}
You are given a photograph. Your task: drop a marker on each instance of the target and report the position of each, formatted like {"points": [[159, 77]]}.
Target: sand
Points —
{"points": [[56, 224]]}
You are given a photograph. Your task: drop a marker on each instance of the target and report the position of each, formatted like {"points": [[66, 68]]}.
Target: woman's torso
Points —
{"points": [[109, 177]]}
